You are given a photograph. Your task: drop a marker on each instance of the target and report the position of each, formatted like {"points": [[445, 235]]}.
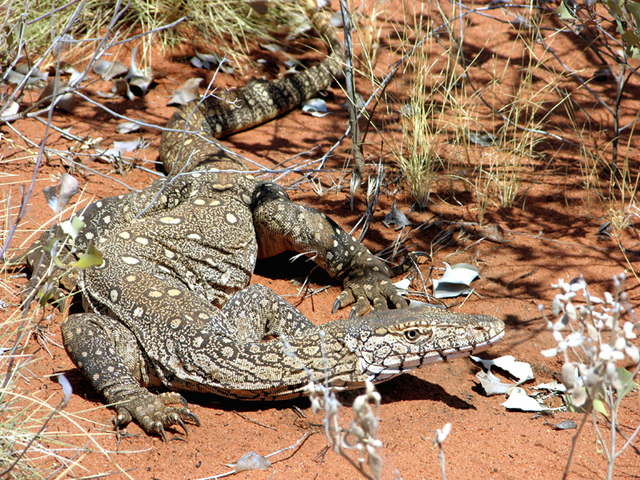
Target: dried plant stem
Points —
{"points": [[574, 440], [352, 103]]}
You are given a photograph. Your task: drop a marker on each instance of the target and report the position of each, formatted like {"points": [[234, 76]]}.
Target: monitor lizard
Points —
{"points": [[170, 304]]}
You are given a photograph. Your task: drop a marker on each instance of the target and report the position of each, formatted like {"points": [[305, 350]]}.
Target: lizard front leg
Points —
{"points": [[108, 355], [283, 225]]}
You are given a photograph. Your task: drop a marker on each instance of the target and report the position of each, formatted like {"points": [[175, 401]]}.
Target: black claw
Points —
{"points": [[184, 427], [120, 421], [193, 418], [160, 429], [352, 315], [336, 306]]}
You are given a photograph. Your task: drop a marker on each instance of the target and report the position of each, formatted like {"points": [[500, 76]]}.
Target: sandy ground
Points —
{"points": [[550, 234]]}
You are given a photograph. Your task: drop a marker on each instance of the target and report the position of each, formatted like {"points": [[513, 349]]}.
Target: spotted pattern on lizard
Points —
{"points": [[170, 305]]}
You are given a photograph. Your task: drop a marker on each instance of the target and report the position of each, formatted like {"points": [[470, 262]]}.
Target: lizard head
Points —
{"points": [[397, 341]]}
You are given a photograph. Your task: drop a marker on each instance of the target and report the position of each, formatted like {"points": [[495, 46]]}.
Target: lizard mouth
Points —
{"points": [[393, 366]]}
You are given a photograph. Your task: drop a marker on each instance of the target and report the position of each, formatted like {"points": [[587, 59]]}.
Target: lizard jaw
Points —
{"points": [[397, 365]]}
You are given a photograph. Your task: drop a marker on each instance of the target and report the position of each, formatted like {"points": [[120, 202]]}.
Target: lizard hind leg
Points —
{"points": [[108, 354], [260, 313]]}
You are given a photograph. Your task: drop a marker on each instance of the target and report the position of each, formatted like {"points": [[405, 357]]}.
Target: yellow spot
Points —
{"points": [[199, 201], [175, 322], [124, 235], [194, 236], [174, 292], [170, 220], [142, 240], [169, 253], [138, 312], [155, 294], [215, 203], [130, 260], [231, 218]]}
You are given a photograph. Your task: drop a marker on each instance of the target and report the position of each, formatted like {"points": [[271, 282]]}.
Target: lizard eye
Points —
{"points": [[412, 335]]}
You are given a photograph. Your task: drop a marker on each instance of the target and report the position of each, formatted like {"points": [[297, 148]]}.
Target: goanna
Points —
{"points": [[170, 305]]}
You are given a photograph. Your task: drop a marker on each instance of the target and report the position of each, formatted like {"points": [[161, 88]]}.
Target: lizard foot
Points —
{"points": [[154, 413], [368, 286]]}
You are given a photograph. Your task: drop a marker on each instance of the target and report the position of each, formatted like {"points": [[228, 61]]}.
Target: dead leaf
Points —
{"points": [[109, 70], [11, 110], [396, 218], [139, 78], [520, 370], [187, 92], [209, 60], [59, 195], [519, 400], [455, 281], [127, 127], [315, 107], [66, 101], [251, 461]]}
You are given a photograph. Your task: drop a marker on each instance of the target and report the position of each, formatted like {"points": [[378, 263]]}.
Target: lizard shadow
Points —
{"points": [[405, 388], [409, 388]]}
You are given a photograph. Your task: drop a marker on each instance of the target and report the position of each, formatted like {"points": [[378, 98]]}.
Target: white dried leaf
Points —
{"points": [[128, 145], [403, 285], [75, 76], [251, 461], [396, 218], [109, 70], [455, 281], [521, 370], [554, 386], [65, 100], [109, 155], [121, 87], [492, 384], [519, 400], [315, 107], [209, 60], [58, 196], [139, 78], [127, 127], [12, 109], [67, 390], [187, 92], [18, 74]]}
